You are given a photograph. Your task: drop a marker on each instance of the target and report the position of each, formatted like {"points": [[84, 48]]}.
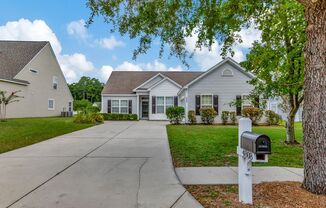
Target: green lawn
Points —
{"points": [[200, 145], [16, 133]]}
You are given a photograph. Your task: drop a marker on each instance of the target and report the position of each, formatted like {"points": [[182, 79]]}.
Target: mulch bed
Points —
{"points": [[265, 195]]}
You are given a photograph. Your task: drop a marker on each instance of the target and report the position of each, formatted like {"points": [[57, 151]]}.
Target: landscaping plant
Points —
{"points": [[175, 114], [225, 117], [253, 113], [233, 117], [192, 117], [207, 115], [81, 105], [119, 117], [6, 100], [89, 117], [272, 117]]}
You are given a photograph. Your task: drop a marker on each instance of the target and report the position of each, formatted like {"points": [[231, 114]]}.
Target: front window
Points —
{"points": [[169, 102], [160, 104], [206, 101], [123, 106], [115, 106], [246, 102], [119, 106], [51, 104]]}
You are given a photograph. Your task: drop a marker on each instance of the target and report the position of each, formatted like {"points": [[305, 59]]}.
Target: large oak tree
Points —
{"points": [[220, 20]]}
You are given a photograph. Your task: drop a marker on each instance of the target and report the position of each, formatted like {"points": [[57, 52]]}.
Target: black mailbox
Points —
{"points": [[256, 143]]}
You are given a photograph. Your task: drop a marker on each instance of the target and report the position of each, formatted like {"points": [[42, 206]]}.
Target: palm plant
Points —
{"points": [[4, 101]]}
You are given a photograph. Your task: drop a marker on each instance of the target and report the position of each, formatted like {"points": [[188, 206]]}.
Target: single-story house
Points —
{"points": [[149, 93], [31, 67]]}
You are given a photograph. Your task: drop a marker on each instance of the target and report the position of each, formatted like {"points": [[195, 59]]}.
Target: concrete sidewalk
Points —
{"points": [[114, 165], [229, 175]]}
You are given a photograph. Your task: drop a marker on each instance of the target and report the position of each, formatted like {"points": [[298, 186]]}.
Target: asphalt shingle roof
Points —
{"points": [[123, 82], [14, 55]]}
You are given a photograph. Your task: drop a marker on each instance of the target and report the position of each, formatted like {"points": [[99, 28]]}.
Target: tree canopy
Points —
{"points": [[87, 88]]}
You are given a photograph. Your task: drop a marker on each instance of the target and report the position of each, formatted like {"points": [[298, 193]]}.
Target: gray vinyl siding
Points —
{"points": [[225, 87], [152, 82], [105, 99]]}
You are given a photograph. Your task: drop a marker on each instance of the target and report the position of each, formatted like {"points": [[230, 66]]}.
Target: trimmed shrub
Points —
{"points": [[175, 114], [272, 117], [207, 115], [88, 117], [225, 117], [81, 105], [233, 117], [192, 117], [93, 109], [119, 117], [253, 113]]}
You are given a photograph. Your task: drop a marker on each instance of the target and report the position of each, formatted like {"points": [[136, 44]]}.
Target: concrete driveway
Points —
{"points": [[117, 164]]}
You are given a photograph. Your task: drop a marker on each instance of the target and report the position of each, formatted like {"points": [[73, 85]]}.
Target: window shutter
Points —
{"points": [[238, 102], [153, 104], [197, 104], [109, 106], [257, 102], [175, 100], [130, 106], [215, 103]]}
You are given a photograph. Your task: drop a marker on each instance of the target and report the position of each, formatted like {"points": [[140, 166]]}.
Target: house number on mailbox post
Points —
{"points": [[251, 148]]}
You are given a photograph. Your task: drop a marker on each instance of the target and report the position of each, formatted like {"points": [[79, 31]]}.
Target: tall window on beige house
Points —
{"points": [[55, 82]]}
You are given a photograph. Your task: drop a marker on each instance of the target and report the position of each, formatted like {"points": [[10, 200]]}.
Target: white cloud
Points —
{"points": [[73, 66], [109, 43], [249, 36], [27, 30], [206, 58], [127, 66], [106, 72], [77, 28]]}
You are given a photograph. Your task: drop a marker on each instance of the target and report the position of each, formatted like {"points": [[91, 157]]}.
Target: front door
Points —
{"points": [[144, 108]]}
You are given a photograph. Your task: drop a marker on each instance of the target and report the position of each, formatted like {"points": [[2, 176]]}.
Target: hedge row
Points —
{"points": [[119, 117]]}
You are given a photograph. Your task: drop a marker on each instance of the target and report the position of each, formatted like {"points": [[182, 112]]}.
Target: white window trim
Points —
{"points": [[156, 104], [201, 100], [53, 104], [164, 103], [119, 106], [242, 103]]}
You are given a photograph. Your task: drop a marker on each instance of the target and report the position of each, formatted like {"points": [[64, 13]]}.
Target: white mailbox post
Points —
{"points": [[251, 148], [244, 166]]}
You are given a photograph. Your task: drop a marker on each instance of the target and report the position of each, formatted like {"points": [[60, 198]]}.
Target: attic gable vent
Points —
{"points": [[227, 73], [33, 71]]}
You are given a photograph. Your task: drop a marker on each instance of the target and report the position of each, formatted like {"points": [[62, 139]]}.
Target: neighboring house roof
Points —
{"points": [[124, 82], [15, 55]]}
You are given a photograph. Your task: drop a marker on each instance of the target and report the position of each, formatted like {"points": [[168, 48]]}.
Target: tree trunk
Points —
{"points": [[290, 135], [314, 108]]}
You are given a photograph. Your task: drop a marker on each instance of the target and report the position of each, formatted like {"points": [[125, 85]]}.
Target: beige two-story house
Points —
{"points": [[32, 68]]}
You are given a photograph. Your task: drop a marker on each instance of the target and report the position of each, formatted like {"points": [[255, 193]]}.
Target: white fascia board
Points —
{"points": [[147, 81], [163, 80], [14, 82]]}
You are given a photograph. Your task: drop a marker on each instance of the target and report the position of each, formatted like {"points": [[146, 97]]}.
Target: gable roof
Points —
{"points": [[227, 60], [15, 55], [124, 82]]}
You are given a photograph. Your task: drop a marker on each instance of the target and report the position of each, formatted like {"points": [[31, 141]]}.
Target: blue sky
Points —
{"points": [[94, 51]]}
